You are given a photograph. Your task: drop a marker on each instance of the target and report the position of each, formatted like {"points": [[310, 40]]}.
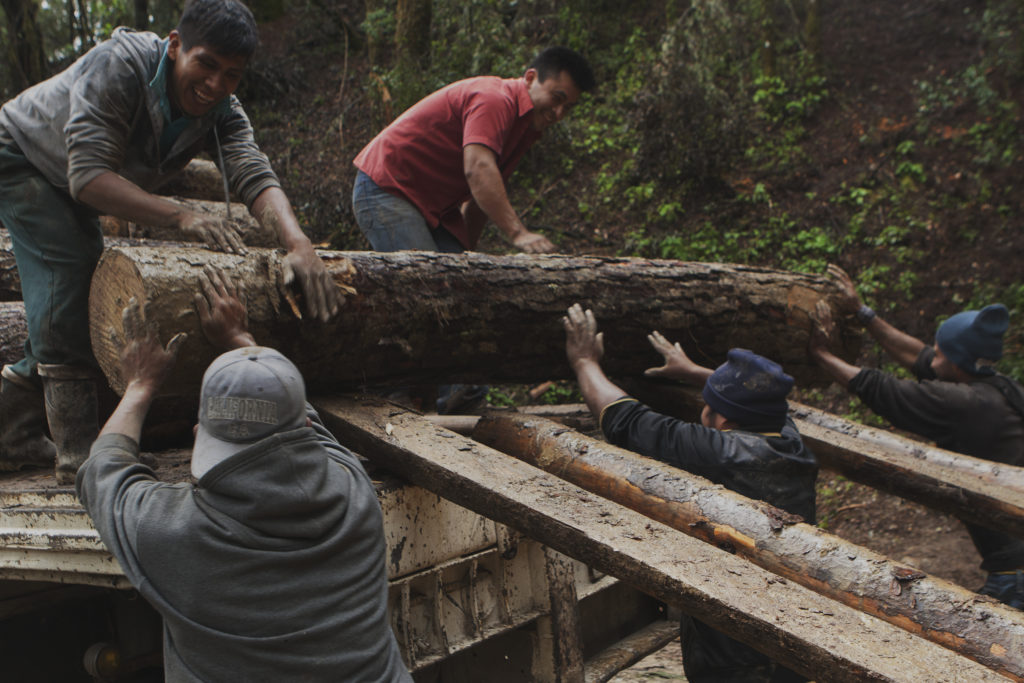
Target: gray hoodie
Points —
{"points": [[101, 114], [271, 569]]}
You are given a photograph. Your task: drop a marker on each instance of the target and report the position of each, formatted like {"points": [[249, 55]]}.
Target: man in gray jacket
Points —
{"points": [[272, 567], [95, 139]]}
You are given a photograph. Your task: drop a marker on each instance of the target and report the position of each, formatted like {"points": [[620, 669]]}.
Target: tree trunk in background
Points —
{"points": [[374, 44], [412, 33], [141, 14], [200, 179], [812, 29], [425, 317], [25, 51]]}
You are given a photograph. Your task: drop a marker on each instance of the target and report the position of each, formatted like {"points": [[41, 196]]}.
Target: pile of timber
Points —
{"points": [[824, 638]]}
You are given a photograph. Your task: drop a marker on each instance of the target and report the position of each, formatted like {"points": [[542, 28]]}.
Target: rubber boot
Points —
{"points": [[23, 440], [70, 393]]}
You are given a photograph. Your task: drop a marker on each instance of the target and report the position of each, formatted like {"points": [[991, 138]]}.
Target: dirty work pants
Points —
{"points": [[391, 223], [57, 243], [710, 656]]}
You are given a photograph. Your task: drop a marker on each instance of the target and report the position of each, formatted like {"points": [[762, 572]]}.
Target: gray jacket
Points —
{"points": [[101, 114], [271, 569]]}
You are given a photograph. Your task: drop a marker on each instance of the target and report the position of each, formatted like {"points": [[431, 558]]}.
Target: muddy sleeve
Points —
{"points": [[101, 107], [246, 167], [113, 487]]}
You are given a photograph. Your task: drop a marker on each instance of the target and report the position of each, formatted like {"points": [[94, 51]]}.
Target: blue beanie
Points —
{"points": [[749, 389], [973, 340]]}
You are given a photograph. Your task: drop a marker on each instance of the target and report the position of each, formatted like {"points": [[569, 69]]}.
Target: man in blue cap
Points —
{"points": [[745, 442], [958, 401]]}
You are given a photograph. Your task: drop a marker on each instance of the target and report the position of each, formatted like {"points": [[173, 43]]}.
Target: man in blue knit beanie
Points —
{"points": [[745, 441], [958, 401]]}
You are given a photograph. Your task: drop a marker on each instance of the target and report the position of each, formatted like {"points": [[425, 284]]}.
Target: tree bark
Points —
{"points": [[25, 52], [980, 491], [424, 317], [13, 332], [979, 628], [200, 179], [804, 631]]}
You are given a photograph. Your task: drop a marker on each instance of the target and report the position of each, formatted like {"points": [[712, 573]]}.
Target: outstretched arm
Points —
{"points": [[818, 346], [678, 365], [903, 348], [222, 311], [145, 363], [488, 189], [274, 212], [111, 194], [584, 347]]}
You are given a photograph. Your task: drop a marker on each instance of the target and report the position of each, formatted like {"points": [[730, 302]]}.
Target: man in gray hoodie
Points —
{"points": [[96, 139], [271, 567]]}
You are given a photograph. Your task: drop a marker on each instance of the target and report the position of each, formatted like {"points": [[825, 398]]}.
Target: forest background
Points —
{"points": [[884, 136]]}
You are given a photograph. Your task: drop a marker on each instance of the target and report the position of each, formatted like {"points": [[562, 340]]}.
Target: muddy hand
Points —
{"points": [[323, 298], [217, 233], [849, 300], [222, 310], [677, 365], [822, 328], [144, 360]]}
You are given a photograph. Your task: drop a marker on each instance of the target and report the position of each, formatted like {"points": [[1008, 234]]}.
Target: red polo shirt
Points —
{"points": [[419, 156]]}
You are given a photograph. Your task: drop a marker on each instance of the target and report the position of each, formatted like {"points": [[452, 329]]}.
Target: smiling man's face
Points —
{"points": [[552, 98], [201, 77]]}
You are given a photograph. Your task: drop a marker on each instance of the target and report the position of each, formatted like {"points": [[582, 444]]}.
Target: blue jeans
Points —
{"points": [[1007, 588], [392, 223], [57, 243]]}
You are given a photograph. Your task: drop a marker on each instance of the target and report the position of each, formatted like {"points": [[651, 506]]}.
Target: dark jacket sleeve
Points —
{"points": [[630, 424], [113, 485], [930, 407]]}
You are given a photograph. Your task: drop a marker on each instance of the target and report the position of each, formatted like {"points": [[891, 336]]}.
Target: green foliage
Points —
{"points": [[561, 393]]}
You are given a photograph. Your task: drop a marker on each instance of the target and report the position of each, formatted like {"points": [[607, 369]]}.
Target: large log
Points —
{"points": [[13, 332], [200, 179], [975, 626], [423, 317], [983, 492], [805, 631], [253, 235]]}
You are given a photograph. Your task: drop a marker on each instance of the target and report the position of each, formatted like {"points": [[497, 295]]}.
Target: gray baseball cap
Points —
{"points": [[247, 395]]}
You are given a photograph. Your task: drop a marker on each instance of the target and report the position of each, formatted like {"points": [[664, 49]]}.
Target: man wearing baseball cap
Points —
{"points": [[270, 567], [745, 442], [957, 400]]}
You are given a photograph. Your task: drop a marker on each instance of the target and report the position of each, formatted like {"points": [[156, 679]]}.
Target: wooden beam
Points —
{"points": [[983, 492], [805, 631], [630, 650], [979, 627]]}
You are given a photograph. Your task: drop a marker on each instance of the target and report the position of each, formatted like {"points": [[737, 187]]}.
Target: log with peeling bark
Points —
{"points": [[975, 626], [983, 492], [422, 317], [807, 632], [10, 283], [253, 235], [13, 332], [200, 179]]}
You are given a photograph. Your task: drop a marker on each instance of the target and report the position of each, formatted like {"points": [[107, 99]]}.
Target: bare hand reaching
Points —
{"points": [[849, 300], [822, 331], [582, 340], [145, 362], [678, 365], [222, 311], [217, 233]]}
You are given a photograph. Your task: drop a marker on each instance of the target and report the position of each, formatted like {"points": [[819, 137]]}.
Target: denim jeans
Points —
{"points": [[391, 223], [57, 243], [1007, 588]]}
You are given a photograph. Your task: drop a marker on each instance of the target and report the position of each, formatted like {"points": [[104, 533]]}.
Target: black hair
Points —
{"points": [[555, 60], [225, 26]]}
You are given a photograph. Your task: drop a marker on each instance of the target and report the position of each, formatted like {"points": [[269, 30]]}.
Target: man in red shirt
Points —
{"points": [[432, 178]]}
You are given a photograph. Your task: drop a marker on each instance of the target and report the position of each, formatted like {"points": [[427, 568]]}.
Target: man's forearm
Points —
{"points": [[130, 413], [841, 371], [488, 190], [903, 348], [598, 391], [274, 212], [111, 194]]}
